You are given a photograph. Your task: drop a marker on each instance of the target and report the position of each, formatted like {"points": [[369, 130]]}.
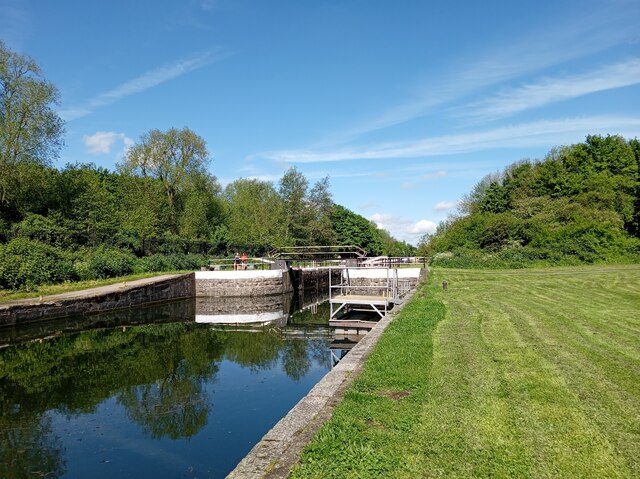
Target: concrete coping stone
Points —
{"points": [[240, 274], [279, 450], [98, 291]]}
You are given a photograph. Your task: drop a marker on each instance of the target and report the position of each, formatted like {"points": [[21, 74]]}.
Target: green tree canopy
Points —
{"points": [[174, 157], [30, 129]]}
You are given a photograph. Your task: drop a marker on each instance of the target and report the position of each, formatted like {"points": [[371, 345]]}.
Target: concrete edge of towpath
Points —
{"points": [[279, 450]]}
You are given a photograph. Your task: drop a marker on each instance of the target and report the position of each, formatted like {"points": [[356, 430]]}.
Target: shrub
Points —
{"points": [[42, 228], [171, 262], [26, 263], [105, 263]]}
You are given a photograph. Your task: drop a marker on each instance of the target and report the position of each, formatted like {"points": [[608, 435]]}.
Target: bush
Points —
{"points": [[104, 263], [42, 228], [171, 262], [25, 264]]}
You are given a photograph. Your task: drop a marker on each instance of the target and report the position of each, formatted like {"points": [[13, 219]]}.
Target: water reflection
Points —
{"points": [[132, 389]]}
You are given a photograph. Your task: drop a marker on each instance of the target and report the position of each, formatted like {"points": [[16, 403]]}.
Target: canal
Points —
{"points": [[152, 392]]}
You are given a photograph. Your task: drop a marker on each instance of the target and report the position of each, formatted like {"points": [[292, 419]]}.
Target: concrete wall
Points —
{"points": [[119, 296], [246, 283], [408, 279]]}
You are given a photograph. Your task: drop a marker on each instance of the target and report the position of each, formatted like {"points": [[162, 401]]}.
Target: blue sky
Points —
{"points": [[405, 105]]}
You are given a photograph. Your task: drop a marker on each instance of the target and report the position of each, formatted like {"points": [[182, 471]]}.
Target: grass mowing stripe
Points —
{"points": [[468, 416], [561, 434], [371, 432], [571, 331], [615, 411], [510, 374]]}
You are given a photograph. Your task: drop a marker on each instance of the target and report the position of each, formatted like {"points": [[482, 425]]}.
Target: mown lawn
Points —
{"points": [[528, 373]]}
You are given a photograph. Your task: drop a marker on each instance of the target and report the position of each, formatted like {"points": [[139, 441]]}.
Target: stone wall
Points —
{"points": [[247, 283], [312, 284], [122, 295], [208, 305]]}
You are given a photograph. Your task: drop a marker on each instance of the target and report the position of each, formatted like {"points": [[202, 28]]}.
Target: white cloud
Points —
{"points": [[433, 176], [403, 229], [445, 205], [383, 220], [102, 141], [409, 185], [144, 82], [552, 90], [539, 133], [422, 227], [368, 205]]}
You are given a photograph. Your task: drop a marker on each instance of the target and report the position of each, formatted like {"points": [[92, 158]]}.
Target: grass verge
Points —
{"points": [[49, 289], [527, 373]]}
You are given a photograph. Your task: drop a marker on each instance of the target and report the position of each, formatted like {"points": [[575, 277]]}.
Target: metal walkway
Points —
{"points": [[363, 289]]}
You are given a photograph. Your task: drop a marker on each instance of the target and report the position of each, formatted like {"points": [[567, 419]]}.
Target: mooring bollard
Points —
{"points": [[445, 285]]}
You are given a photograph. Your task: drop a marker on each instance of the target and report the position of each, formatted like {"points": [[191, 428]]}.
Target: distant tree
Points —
{"points": [[297, 214], [30, 129], [203, 210], [255, 215], [577, 205], [635, 146], [353, 229], [173, 157], [321, 202]]}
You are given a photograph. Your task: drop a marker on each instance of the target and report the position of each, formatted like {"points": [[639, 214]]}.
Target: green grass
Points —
{"points": [[49, 289], [526, 373]]}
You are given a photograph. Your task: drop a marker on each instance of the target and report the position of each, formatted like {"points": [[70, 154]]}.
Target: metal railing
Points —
{"points": [[318, 252], [226, 264]]}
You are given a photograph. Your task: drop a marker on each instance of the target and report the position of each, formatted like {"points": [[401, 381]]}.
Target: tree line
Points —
{"points": [[580, 204], [161, 209]]}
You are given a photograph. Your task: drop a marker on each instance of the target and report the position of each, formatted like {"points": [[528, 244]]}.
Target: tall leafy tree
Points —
{"points": [[321, 230], [353, 229], [173, 157], [30, 129], [255, 215], [293, 189]]}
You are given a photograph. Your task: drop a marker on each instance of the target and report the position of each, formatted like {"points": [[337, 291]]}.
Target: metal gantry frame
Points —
{"points": [[350, 295]]}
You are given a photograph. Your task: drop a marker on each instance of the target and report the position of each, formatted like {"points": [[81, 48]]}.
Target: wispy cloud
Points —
{"points": [[580, 36], [435, 175], [550, 90], [145, 82], [368, 205], [540, 133], [445, 205], [14, 23], [102, 141], [409, 185]]}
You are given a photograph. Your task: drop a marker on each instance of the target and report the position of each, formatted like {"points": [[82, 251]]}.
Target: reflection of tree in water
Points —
{"points": [[295, 360], [319, 352], [253, 350], [172, 404], [28, 448], [158, 373]]}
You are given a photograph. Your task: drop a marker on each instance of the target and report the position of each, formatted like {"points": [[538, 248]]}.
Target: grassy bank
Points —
{"points": [[529, 373]]}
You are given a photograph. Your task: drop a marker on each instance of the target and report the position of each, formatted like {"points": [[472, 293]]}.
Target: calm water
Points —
{"points": [[150, 393]]}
